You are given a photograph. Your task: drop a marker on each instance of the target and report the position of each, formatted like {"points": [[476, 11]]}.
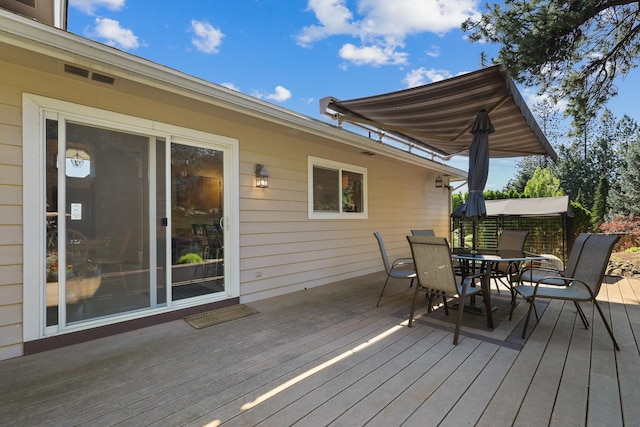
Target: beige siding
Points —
{"points": [[281, 250], [10, 224], [290, 252]]}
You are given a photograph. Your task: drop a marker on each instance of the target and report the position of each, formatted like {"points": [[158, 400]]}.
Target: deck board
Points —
{"points": [[330, 357]]}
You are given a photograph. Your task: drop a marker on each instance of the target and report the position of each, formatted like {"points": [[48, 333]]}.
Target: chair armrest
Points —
{"points": [[402, 261], [472, 277], [569, 281], [540, 268]]}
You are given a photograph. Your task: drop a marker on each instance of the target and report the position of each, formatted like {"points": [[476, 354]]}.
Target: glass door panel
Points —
{"points": [[105, 205], [197, 241]]}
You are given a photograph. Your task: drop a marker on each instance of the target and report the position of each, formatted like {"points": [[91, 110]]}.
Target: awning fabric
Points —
{"points": [[439, 116], [535, 206]]}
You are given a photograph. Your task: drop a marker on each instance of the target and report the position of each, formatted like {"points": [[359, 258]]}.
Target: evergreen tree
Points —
{"points": [[571, 50], [543, 184], [624, 198], [600, 209]]}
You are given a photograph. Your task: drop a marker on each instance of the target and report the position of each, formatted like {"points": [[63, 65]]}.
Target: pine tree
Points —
{"points": [[599, 209], [624, 198]]}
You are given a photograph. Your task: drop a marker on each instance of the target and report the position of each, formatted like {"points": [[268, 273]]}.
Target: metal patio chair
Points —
{"points": [[401, 268], [582, 287], [427, 232], [510, 240], [434, 270]]}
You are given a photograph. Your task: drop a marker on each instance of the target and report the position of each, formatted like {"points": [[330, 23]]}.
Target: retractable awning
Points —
{"points": [[439, 116]]}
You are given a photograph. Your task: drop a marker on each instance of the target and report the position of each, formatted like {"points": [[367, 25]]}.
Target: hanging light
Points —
{"points": [[262, 177], [76, 160]]}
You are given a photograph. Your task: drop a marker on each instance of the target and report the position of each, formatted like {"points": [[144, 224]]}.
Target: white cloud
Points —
{"points": [[434, 51], [383, 25], [281, 94], [207, 39], [230, 86], [532, 98], [89, 6], [372, 55], [421, 76], [114, 35]]}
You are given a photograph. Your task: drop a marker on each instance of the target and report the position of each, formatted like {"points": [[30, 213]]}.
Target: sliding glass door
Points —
{"points": [[120, 208]]}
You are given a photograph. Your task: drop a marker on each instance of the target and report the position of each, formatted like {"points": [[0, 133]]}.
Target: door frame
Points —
{"points": [[34, 110]]}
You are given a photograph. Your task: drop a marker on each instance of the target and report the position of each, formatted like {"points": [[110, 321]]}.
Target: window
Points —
{"points": [[336, 190]]}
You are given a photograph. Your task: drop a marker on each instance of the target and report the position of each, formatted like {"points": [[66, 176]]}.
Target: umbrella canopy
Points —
{"points": [[474, 207]]}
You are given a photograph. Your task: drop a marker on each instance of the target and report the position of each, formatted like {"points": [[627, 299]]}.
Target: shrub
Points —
{"points": [[190, 258]]}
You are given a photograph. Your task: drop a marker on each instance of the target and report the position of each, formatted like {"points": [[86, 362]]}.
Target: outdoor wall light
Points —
{"points": [[439, 182], [262, 177]]}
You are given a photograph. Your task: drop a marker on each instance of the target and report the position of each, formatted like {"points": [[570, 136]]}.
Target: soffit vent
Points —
{"points": [[102, 78], [84, 73], [30, 3], [76, 71]]}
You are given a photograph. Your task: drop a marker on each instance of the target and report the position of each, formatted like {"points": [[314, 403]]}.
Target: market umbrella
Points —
{"points": [[475, 208]]}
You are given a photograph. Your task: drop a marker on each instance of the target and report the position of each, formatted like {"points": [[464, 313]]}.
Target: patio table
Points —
{"points": [[486, 259]]}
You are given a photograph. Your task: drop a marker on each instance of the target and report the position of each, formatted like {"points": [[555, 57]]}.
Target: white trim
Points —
{"points": [[34, 234], [340, 167]]}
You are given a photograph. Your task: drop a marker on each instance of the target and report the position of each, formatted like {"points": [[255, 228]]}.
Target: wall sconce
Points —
{"points": [[262, 177], [439, 182]]}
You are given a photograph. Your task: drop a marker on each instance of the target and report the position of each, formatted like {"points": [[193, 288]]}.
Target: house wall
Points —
{"points": [[281, 250]]}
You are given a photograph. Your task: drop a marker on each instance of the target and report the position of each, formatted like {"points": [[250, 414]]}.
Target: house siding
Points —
{"points": [[281, 249], [10, 224]]}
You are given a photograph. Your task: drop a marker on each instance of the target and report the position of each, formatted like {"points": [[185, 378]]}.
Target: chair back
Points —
{"points": [[593, 261], [123, 247], [383, 252], [512, 240], [576, 251], [423, 232], [432, 260]]}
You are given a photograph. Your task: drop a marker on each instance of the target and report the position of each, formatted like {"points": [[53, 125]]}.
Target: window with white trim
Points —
{"points": [[336, 190]]}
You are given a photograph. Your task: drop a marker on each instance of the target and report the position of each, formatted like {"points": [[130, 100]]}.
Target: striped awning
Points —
{"points": [[439, 116]]}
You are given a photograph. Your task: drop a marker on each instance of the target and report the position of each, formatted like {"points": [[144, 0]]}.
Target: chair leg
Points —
{"points": [[585, 322], [526, 322], [463, 296], [413, 305], [514, 295], [604, 319], [381, 292]]}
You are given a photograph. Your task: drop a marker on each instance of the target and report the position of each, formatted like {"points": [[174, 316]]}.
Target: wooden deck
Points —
{"points": [[328, 356]]}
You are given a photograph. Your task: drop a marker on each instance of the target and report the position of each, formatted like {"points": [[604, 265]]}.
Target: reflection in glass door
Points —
{"points": [[197, 240]]}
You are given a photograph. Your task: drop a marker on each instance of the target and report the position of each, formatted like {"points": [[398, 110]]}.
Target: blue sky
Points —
{"points": [[292, 53]]}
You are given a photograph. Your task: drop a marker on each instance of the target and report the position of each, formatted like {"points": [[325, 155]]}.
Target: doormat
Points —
{"points": [[221, 315]]}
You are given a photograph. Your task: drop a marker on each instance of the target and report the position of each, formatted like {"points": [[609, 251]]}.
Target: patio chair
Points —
{"points": [[401, 268], [434, 269], [551, 276], [535, 273], [510, 240], [427, 232], [116, 258], [583, 286]]}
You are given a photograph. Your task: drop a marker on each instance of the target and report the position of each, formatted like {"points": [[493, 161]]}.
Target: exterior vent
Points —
{"points": [[30, 3], [84, 73], [76, 71], [102, 78], [368, 153]]}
